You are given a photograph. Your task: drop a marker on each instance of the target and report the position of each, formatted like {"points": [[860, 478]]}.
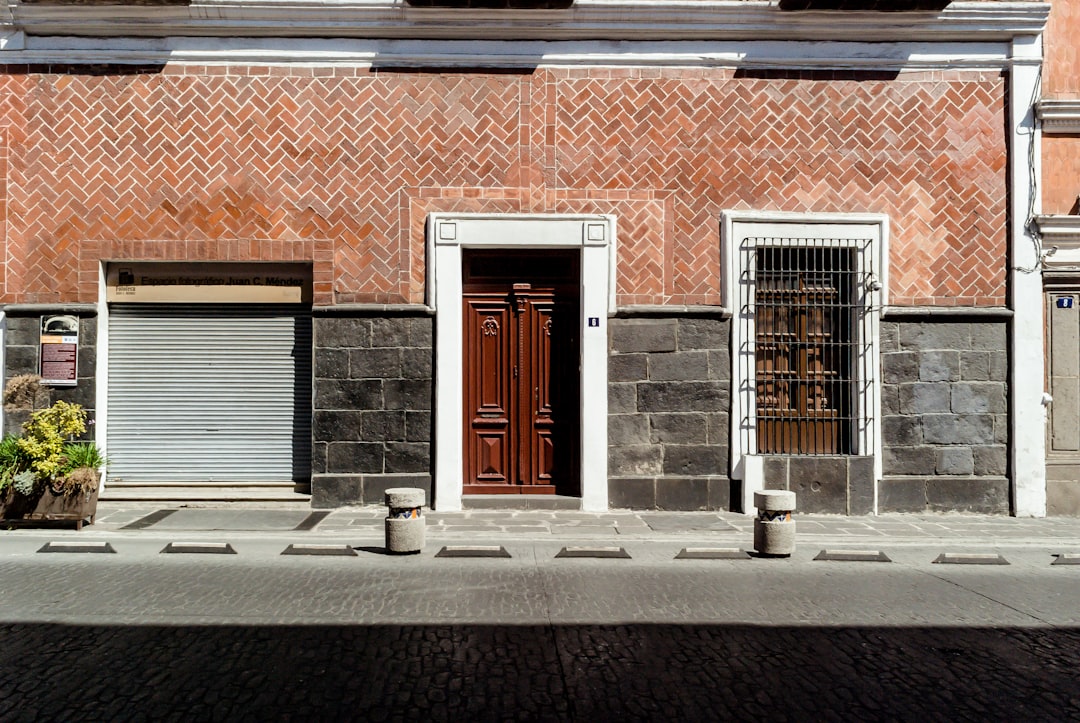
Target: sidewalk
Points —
{"points": [[502, 526]]}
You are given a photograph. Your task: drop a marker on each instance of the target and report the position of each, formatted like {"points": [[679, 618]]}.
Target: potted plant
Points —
{"points": [[45, 474]]}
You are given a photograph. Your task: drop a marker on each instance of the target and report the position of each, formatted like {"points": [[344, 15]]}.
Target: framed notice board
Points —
{"points": [[58, 360]]}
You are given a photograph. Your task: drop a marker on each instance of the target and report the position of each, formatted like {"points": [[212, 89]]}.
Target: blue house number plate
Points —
{"points": [[1064, 302]]}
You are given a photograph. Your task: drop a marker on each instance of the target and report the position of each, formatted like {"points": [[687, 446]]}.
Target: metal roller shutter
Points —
{"points": [[209, 393]]}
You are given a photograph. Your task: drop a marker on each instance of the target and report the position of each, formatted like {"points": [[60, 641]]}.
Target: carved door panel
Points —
{"points": [[521, 384]]}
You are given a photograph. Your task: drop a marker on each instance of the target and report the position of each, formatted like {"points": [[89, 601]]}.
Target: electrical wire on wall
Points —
{"points": [[1030, 226]]}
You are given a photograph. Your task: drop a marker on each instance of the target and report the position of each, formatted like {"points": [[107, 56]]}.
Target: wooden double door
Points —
{"points": [[522, 372]]}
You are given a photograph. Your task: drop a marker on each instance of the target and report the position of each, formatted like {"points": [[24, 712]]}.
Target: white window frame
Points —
{"points": [[738, 229]]}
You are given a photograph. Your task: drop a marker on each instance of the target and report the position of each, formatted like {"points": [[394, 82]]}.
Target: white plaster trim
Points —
{"points": [[524, 54], [1059, 116], [592, 19], [101, 373], [1027, 423], [737, 225], [447, 235], [1061, 242]]}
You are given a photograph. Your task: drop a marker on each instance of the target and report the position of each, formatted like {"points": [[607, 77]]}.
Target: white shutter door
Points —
{"points": [[209, 393]]}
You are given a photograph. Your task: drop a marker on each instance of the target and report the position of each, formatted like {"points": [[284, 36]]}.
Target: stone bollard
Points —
{"points": [[774, 530], [404, 521]]}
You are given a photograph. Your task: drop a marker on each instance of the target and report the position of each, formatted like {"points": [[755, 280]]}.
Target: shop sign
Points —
{"points": [[167, 282], [59, 354]]}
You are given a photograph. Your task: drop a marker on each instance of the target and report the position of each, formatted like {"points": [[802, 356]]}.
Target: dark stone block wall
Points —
{"points": [[22, 341], [945, 416], [669, 405], [372, 406]]}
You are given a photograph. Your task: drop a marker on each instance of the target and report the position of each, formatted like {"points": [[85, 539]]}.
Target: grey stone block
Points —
{"points": [[923, 398], [720, 493], [1001, 429], [330, 491], [694, 460], [404, 498], [939, 366], [720, 365], [337, 426], [861, 485], [958, 428], [354, 457], [909, 460], [87, 365], [682, 397], [890, 399], [337, 332], [318, 457], [988, 336], [622, 398], [900, 367], [637, 335], [990, 461], [978, 397], [626, 429], [775, 501], [955, 460], [922, 336], [678, 428], [24, 331], [820, 483], [673, 493], [421, 332], [975, 366], [375, 363], [349, 394], [1063, 498], [775, 472], [417, 426], [416, 363], [889, 337], [719, 428], [411, 394], [390, 332], [382, 426], [632, 493], [627, 367], [83, 395], [407, 457], [985, 495], [690, 365], [20, 360], [642, 460], [902, 431], [703, 334], [999, 366], [331, 364], [902, 494]]}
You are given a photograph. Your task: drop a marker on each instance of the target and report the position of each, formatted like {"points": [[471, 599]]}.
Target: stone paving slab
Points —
{"points": [[507, 525]]}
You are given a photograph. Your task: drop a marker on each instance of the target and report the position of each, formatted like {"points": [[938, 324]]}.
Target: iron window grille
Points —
{"points": [[806, 321]]}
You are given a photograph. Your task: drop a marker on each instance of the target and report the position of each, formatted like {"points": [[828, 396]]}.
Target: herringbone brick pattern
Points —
{"points": [[341, 166], [1061, 73]]}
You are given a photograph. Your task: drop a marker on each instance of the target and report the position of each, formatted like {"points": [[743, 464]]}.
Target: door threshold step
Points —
{"points": [[520, 502], [169, 484], [202, 494]]}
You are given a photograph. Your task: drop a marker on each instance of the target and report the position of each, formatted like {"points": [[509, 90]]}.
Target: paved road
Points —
{"points": [[259, 636]]}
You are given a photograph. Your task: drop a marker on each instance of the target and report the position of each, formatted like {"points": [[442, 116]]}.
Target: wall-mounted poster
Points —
{"points": [[59, 358]]}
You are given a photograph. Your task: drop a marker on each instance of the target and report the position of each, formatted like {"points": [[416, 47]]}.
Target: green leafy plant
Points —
{"points": [[25, 482], [45, 433], [80, 472], [12, 460]]}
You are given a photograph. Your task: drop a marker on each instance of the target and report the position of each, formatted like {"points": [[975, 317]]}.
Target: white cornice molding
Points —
{"points": [[1059, 116], [1058, 229], [508, 54], [585, 19]]}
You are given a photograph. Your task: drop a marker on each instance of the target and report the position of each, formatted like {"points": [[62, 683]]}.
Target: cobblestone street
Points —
{"points": [[258, 636]]}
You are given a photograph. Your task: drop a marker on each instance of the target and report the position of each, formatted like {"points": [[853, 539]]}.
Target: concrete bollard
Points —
{"points": [[774, 530], [404, 521]]}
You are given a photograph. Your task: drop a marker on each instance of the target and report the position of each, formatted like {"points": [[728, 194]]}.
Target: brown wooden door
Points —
{"points": [[521, 373]]}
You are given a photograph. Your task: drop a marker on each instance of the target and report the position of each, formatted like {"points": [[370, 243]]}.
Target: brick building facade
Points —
{"points": [[867, 163]]}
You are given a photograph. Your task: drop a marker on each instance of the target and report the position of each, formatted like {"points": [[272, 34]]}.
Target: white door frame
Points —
{"points": [[447, 235]]}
